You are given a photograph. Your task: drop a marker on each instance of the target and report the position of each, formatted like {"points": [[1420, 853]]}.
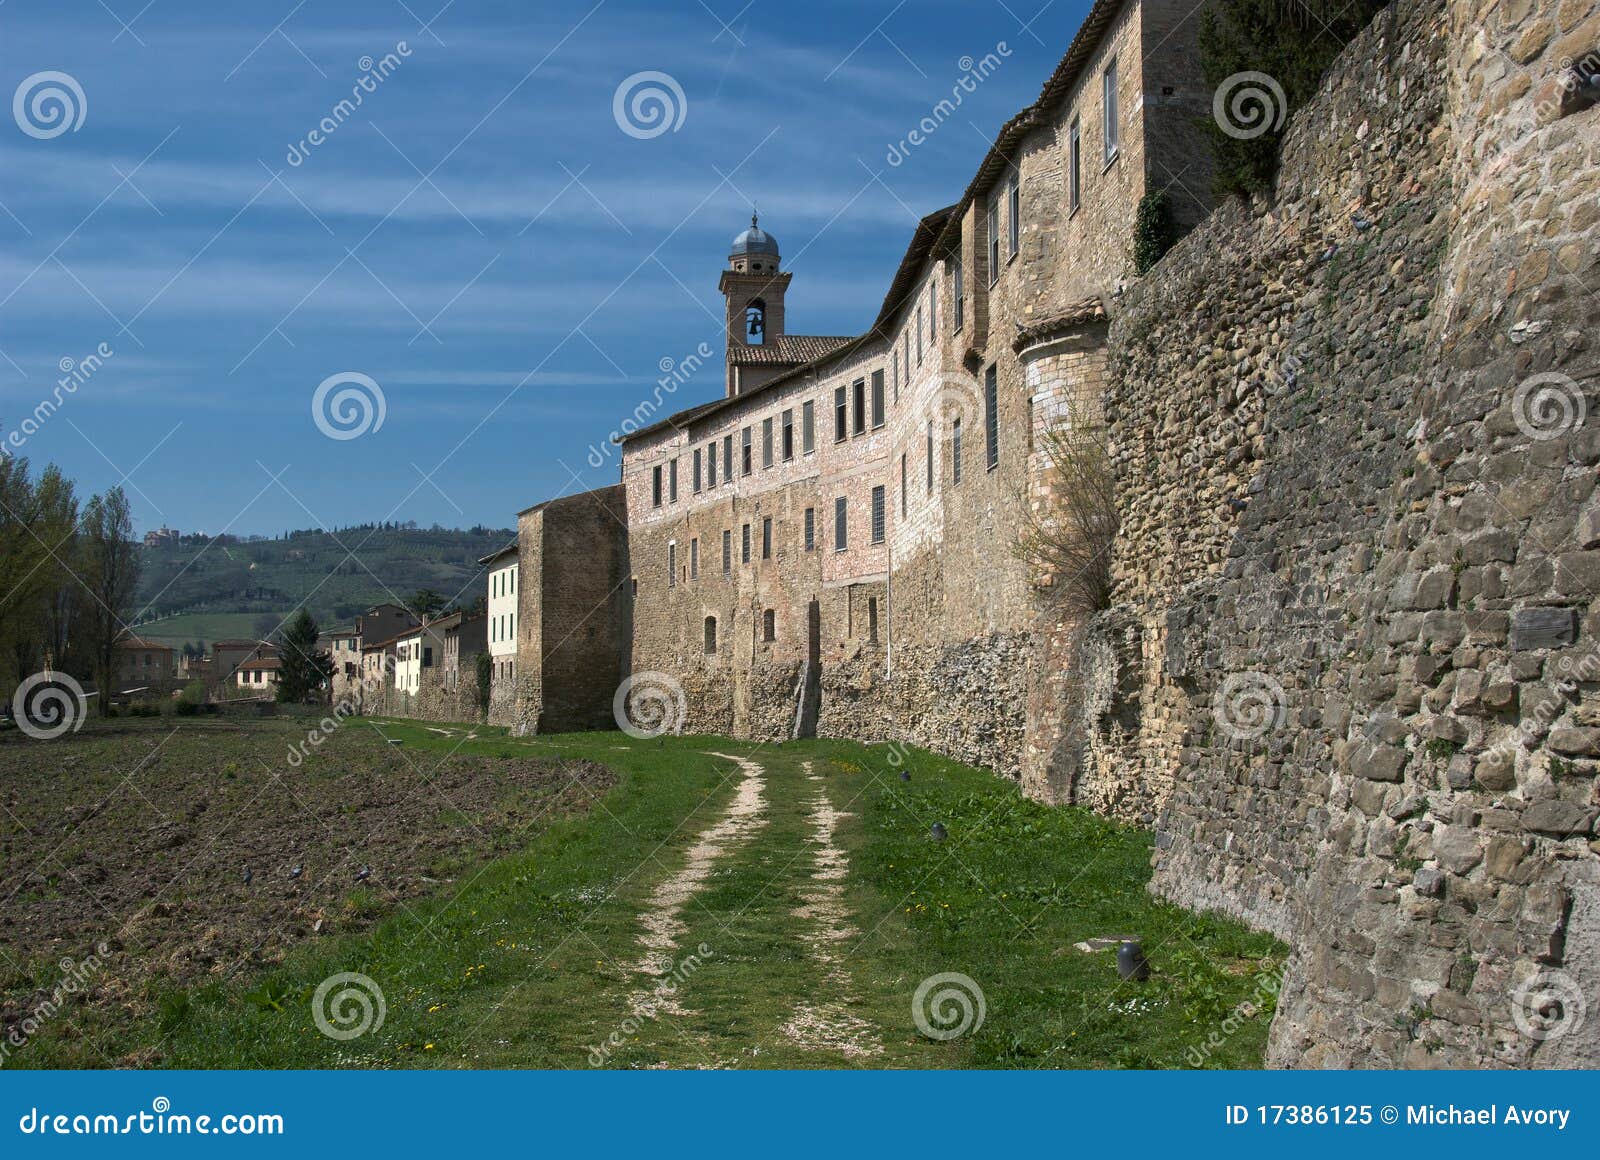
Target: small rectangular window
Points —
{"points": [[877, 515], [811, 529], [903, 497], [841, 417], [808, 427], [711, 465], [933, 310], [655, 485], [859, 390], [697, 471], [895, 357], [841, 527], [746, 452], [877, 399], [788, 436], [727, 551], [727, 459], [744, 550], [766, 443], [991, 223], [1014, 213], [991, 418], [919, 334], [766, 537], [1108, 90], [958, 294], [672, 565], [955, 450], [694, 558], [1074, 167], [672, 480], [930, 456]]}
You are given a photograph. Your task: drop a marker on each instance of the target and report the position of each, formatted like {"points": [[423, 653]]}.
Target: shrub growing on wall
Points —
{"points": [[485, 680], [1154, 231], [1292, 42], [1067, 536]]}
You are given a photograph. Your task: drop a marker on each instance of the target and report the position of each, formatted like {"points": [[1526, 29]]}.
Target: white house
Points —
{"points": [[503, 611], [419, 649]]}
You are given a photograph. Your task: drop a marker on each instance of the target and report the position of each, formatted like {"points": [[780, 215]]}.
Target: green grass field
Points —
{"points": [[795, 912], [204, 626]]}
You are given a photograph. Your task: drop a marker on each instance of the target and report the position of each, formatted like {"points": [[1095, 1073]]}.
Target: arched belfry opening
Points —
{"points": [[755, 322]]}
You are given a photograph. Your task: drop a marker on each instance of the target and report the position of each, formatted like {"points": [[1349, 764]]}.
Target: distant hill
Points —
{"points": [[197, 589]]}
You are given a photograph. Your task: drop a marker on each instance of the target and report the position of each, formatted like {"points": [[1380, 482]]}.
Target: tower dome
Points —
{"points": [[755, 241]]}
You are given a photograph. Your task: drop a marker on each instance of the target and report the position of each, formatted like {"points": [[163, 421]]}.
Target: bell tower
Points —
{"points": [[753, 286]]}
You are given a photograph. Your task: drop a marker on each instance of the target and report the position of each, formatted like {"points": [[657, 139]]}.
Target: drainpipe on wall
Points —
{"points": [[888, 619]]}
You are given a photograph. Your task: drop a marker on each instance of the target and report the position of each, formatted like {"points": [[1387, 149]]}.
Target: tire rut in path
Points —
{"points": [[829, 1025], [662, 918]]}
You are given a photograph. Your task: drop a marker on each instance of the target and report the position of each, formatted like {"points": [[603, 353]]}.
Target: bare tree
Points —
{"points": [[109, 570], [1071, 521]]}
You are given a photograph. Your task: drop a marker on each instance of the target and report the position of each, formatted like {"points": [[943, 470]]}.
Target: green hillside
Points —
{"points": [[203, 588]]}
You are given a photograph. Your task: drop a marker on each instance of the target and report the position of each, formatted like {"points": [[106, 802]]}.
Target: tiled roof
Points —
{"points": [[263, 663], [493, 556], [1090, 310], [129, 640], [789, 349]]}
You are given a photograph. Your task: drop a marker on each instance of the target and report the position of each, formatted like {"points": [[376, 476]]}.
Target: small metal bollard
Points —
{"points": [[1131, 963]]}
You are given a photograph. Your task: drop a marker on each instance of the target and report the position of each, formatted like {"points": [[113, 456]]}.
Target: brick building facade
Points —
{"points": [[829, 548]]}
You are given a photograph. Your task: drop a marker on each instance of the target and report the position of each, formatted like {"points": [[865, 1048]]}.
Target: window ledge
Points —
{"points": [[1112, 160]]}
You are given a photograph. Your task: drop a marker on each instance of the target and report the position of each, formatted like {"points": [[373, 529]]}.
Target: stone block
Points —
{"points": [[1533, 628]]}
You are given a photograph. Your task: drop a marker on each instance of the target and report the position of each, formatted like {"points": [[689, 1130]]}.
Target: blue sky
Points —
{"points": [[481, 237]]}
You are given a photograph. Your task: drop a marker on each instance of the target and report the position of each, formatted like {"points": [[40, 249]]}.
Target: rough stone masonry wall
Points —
{"points": [[1351, 664]]}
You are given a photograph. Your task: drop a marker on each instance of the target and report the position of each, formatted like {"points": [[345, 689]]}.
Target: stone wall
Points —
{"points": [[1350, 667]]}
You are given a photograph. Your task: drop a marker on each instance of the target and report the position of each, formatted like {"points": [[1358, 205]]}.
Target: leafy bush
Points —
{"points": [[1154, 231], [1291, 41]]}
